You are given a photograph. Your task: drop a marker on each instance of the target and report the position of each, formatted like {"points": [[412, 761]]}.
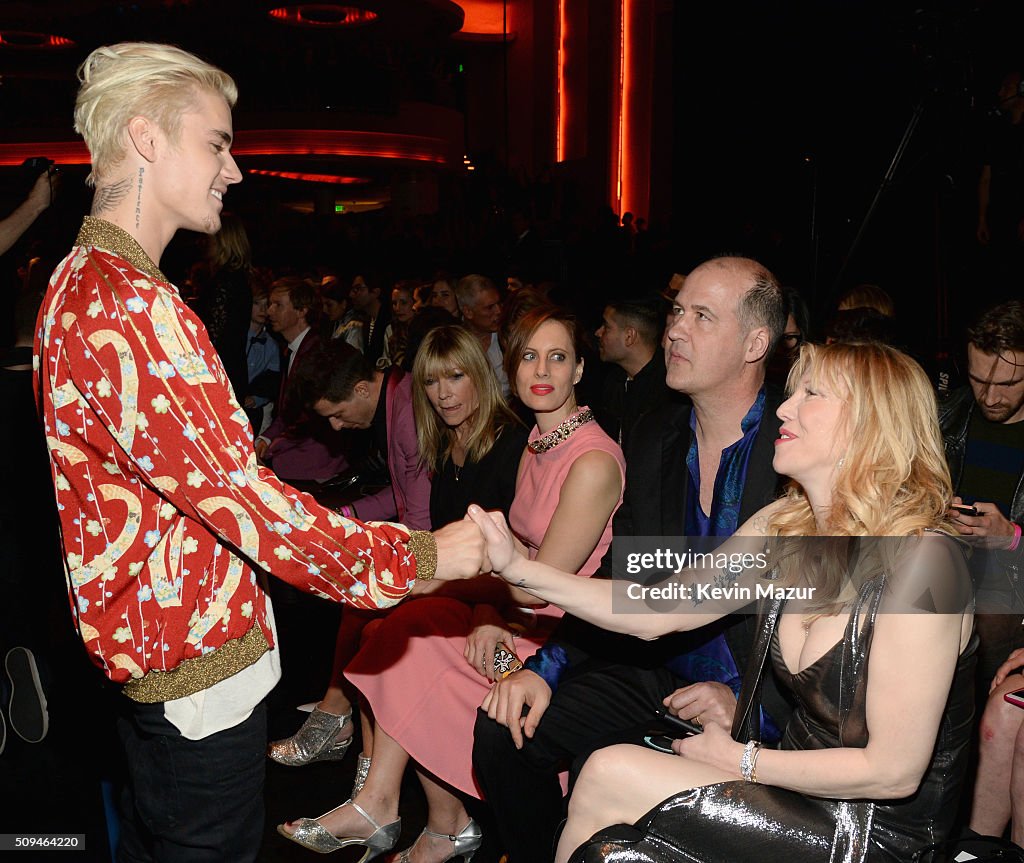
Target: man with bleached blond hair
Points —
{"points": [[169, 525]]}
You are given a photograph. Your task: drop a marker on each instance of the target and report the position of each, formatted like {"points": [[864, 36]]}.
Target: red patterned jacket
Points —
{"points": [[167, 520]]}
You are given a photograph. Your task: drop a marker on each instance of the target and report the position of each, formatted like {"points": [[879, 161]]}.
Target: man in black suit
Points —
{"points": [[691, 470]]}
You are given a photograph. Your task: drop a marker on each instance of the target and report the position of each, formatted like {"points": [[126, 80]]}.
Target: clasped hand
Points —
{"points": [[501, 547], [481, 542]]}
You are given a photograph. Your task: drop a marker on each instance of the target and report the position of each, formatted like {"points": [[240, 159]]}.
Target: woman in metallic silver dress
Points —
{"points": [[871, 763]]}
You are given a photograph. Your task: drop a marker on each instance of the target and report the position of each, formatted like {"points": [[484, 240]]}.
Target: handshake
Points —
{"points": [[481, 542]]}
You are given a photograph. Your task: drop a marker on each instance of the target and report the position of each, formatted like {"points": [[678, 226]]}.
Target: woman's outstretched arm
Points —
{"points": [[617, 605]]}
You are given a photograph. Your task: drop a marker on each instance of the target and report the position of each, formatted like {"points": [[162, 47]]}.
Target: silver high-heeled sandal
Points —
{"points": [[314, 836], [315, 741], [362, 771], [465, 844]]}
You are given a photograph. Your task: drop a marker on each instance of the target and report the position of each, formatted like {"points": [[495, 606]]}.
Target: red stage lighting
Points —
{"points": [[322, 15]]}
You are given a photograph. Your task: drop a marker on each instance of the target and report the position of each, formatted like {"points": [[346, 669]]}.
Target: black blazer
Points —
{"points": [[657, 484]]}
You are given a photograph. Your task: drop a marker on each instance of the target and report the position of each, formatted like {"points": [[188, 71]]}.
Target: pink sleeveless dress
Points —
{"points": [[411, 667]]}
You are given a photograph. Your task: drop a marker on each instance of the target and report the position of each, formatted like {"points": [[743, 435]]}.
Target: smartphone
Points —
{"points": [[673, 726], [659, 742], [964, 509], [1016, 698]]}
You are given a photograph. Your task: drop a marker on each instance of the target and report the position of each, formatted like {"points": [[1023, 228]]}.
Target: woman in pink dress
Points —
{"points": [[426, 669]]}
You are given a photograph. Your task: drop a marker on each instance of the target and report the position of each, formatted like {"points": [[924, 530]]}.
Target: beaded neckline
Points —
{"points": [[562, 432]]}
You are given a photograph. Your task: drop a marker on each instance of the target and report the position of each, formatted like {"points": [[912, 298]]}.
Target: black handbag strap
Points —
{"points": [[746, 723], [857, 641]]}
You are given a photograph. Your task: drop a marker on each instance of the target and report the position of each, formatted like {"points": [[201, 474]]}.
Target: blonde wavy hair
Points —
{"points": [[134, 79], [893, 480], [443, 351]]}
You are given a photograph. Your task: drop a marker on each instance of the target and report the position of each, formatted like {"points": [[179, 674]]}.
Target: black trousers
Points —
{"points": [[191, 801], [596, 707]]}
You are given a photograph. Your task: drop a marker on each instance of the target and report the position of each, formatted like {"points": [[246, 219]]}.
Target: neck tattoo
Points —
{"points": [[138, 201], [108, 197]]}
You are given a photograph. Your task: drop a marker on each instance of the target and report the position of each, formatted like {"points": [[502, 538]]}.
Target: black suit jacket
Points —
{"points": [[657, 483], [654, 503]]}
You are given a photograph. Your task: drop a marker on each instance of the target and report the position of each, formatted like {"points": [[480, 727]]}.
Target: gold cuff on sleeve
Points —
{"points": [[424, 548]]}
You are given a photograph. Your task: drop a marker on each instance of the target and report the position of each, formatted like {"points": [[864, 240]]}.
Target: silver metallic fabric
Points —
{"points": [[738, 820]]}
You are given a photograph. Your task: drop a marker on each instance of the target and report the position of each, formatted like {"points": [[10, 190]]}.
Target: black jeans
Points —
{"points": [[594, 708], [191, 801]]}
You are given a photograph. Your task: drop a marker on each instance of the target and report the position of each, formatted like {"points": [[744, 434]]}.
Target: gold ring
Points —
{"points": [[696, 719]]}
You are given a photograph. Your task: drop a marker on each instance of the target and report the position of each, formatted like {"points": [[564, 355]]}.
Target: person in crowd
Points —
{"points": [[225, 301], [480, 309], [366, 298], [864, 312], [39, 198], [585, 685], [860, 324], [467, 435], [999, 785], [421, 295], [983, 427], [872, 759], [569, 484], [629, 340], [169, 525], [340, 384], [343, 387], [473, 444], [867, 296], [443, 296], [340, 319], [420, 326], [396, 336], [263, 364], [798, 322], [795, 333], [983, 431], [297, 445]]}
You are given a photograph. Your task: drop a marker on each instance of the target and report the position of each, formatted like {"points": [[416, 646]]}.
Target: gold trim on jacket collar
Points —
{"points": [[107, 235]]}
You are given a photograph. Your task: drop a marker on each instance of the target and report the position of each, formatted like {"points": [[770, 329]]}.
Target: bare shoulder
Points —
{"points": [[757, 524], [930, 573], [595, 469]]}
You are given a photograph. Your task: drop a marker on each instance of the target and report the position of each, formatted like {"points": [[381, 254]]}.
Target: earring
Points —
{"points": [[841, 462]]}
